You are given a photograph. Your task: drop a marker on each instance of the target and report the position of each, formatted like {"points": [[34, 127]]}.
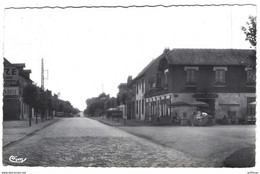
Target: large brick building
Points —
{"points": [[15, 78], [222, 78]]}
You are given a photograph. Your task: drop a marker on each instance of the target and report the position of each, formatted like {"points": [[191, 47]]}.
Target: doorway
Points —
{"points": [[211, 108]]}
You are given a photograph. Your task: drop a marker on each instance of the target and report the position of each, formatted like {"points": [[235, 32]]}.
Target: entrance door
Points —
{"points": [[211, 109]]}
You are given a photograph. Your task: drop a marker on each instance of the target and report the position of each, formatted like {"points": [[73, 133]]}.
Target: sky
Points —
{"points": [[84, 49]]}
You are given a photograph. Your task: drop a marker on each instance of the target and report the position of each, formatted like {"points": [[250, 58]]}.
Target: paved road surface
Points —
{"points": [[86, 142], [213, 143]]}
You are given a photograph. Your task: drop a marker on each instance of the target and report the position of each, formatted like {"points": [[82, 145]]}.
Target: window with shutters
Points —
{"points": [[220, 76], [191, 75], [250, 77]]}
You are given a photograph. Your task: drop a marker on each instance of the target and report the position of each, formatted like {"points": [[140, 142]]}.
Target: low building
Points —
{"points": [[15, 78]]}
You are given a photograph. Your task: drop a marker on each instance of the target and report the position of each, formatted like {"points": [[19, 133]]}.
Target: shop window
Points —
{"points": [[136, 106], [142, 106]]}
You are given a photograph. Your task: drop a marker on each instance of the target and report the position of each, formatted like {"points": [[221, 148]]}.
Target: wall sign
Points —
{"points": [[11, 73], [11, 92]]}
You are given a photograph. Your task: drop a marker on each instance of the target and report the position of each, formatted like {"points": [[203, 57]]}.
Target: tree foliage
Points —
{"points": [[97, 106], [250, 31], [121, 98], [43, 101], [30, 95]]}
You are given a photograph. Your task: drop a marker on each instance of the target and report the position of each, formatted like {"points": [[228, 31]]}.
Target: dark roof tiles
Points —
{"points": [[156, 60], [210, 56]]}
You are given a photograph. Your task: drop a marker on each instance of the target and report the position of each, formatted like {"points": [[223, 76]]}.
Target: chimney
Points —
{"points": [[166, 50]]}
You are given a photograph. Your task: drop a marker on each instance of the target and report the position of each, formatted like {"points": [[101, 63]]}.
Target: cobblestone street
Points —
{"points": [[86, 142]]}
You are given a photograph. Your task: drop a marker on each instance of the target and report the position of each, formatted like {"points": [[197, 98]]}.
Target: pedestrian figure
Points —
{"points": [[224, 119], [192, 118]]}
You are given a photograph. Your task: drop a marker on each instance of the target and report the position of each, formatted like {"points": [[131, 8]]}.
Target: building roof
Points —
{"points": [[22, 72], [210, 56], [145, 68], [156, 60], [27, 71], [122, 85], [19, 65]]}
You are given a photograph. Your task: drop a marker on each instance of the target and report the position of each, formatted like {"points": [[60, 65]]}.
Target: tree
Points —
{"points": [[30, 95], [121, 98], [97, 106], [42, 102], [250, 31]]}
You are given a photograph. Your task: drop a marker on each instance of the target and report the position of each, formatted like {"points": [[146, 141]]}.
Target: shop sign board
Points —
{"points": [[11, 73], [205, 95], [11, 92]]}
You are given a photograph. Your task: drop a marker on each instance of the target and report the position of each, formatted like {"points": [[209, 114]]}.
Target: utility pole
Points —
{"points": [[42, 76], [42, 83]]}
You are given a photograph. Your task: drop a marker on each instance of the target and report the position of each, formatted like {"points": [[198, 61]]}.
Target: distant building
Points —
{"points": [[221, 78], [130, 101], [126, 96], [122, 88], [15, 78]]}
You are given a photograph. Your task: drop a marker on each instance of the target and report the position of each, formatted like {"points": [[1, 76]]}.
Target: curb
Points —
{"points": [[106, 123], [28, 135], [127, 123]]}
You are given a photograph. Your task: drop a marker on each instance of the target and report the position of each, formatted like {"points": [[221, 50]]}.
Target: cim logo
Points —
{"points": [[14, 159]]}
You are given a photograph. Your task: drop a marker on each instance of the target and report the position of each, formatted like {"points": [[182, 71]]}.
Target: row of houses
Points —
{"points": [[15, 108], [15, 79], [224, 79]]}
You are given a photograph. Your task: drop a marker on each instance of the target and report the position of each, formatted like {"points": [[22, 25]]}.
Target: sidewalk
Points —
{"points": [[120, 122], [17, 130]]}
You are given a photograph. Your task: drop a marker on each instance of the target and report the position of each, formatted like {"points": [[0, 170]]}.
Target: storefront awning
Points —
{"points": [[253, 103], [200, 104], [230, 103]]}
